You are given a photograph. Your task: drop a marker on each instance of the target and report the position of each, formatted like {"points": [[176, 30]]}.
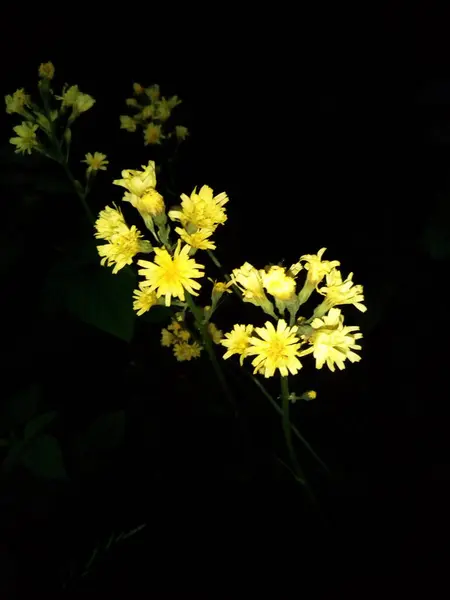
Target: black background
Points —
{"points": [[326, 129]]}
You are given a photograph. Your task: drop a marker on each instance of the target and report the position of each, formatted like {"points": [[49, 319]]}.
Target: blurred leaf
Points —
{"points": [[39, 423], [43, 457], [91, 293], [23, 406], [105, 433]]}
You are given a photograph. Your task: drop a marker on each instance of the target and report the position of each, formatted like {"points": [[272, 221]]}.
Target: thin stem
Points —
{"points": [[293, 427], [287, 429], [198, 316]]}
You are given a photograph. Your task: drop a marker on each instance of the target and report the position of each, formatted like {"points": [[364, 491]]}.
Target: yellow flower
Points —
{"points": [[237, 341], [17, 102], [221, 287], [69, 96], [337, 291], [138, 89], [147, 112], [153, 92], [172, 275], [151, 203], [83, 102], [183, 335], [143, 300], [198, 239], [181, 132], [121, 249], [249, 281], [173, 101], [46, 70], [175, 326], [316, 267], [184, 351], [131, 102], [96, 162], [332, 341], [278, 283], [110, 221], [275, 349], [26, 139], [202, 210], [152, 134], [162, 112], [127, 122], [138, 182], [216, 334], [167, 338]]}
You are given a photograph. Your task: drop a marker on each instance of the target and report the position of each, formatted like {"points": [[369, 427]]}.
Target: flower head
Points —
{"points": [[184, 351], [316, 267], [138, 182], [216, 334], [275, 349], [277, 283], [83, 102], [127, 122], [110, 221], [337, 291], [201, 210], [333, 342], [147, 112], [221, 287], [167, 338], [153, 134], [237, 341], [26, 140], [144, 299], [172, 275], [122, 247], [199, 239], [181, 132], [249, 281], [46, 70], [17, 102], [153, 92], [151, 203], [138, 89], [163, 110], [132, 102], [96, 162], [69, 95]]}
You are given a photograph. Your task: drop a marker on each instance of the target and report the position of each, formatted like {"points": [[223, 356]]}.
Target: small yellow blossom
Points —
{"points": [[181, 132], [162, 112], [199, 239], [26, 140], [172, 275], [184, 335], [46, 70], [138, 182], [332, 341], [216, 334], [143, 300], [138, 89], [184, 351], [316, 267], [153, 92], [122, 248], [221, 287], [69, 95], [83, 102], [153, 134], [132, 102], [96, 162], [167, 338], [151, 203], [110, 221], [175, 326], [201, 210], [17, 102], [249, 281], [237, 341], [277, 283], [337, 291], [275, 349], [128, 123], [147, 112]]}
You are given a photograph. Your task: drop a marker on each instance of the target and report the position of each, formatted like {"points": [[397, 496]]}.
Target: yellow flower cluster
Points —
{"points": [[152, 111], [177, 337], [123, 242], [323, 335]]}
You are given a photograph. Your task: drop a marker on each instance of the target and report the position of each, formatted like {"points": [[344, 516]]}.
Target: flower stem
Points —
{"points": [[199, 320]]}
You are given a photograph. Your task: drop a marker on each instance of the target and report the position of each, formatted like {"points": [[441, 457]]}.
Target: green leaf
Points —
{"points": [[43, 457], [91, 293], [39, 423], [23, 406], [104, 434]]}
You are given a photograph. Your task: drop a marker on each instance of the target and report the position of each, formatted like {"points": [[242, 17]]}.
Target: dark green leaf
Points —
{"points": [[39, 423], [43, 457]]}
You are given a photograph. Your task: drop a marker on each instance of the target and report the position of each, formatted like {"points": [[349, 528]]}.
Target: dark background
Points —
{"points": [[325, 129]]}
